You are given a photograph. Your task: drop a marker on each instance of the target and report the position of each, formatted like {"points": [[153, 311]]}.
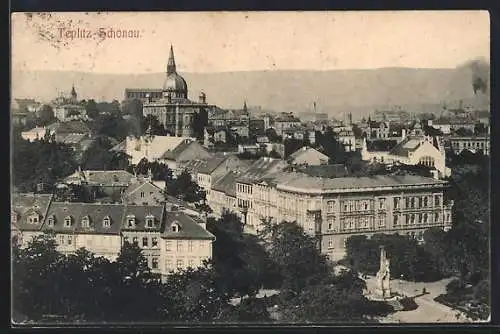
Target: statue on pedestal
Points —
{"points": [[384, 275]]}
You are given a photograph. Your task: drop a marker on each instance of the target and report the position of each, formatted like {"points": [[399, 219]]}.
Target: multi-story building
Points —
{"points": [[335, 209], [169, 240], [285, 121], [171, 105], [473, 144], [411, 150], [67, 108]]}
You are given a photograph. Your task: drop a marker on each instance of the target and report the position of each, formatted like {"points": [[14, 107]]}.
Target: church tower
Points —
{"points": [[171, 68], [73, 94]]}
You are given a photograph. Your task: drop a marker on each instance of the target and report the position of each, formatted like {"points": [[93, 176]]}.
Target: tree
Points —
{"points": [[43, 161], [198, 123], [249, 310], [45, 116], [133, 108], [273, 136], [100, 157], [151, 121], [91, 109], [299, 261], [331, 146], [110, 124], [185, 188]]}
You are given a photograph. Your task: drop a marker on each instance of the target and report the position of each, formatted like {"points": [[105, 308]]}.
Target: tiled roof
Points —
{"points": [[71, 138], [323, 184], [24, 204], [211, 164], [381, 145], [409, 144], [177, 151], [304, 150], [325, 171], [226, 184], [260, 168], [134, 186], [96, 213], [141, 213], [189, 228]]}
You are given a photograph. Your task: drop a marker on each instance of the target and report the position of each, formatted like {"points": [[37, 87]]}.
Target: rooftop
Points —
{"points": [[189, 227]]}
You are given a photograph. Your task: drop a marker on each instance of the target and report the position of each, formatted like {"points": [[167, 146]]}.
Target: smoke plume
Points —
{"points": [[480, 71]]}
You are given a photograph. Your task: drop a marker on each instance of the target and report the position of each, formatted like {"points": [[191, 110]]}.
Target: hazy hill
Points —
{"points": [[335, 92]]}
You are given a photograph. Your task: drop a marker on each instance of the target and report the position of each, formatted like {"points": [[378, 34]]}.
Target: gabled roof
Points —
{"points": [[176, 152], [189, 228], [71, 138], [260, 168], [95, 212], [211, 164], [307, 150], [410, 144], [24, 204], [134, 186], [226, 184]]}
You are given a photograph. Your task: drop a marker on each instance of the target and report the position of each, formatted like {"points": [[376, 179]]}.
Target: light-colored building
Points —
{"points": [[473, 144], [153, 148], [143, 191], [285, 121], [335, 209], [37, 133], [308, 156], [412, 150], [169, 240]]}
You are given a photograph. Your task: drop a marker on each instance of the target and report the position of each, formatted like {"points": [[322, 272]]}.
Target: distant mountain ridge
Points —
{"points": [[335, 92]]}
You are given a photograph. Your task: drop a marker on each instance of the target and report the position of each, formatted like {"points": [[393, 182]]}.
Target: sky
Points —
{"points": [[245, 41]]}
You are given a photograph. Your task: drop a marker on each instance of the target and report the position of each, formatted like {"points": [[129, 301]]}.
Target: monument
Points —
{"points": [[384, 276]]}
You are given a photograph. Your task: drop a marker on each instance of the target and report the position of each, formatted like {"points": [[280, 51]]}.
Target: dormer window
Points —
{"points": [[85, 222], [50, 221], [68, 221], [33, 218], [150, 220], [106, 222], [175, 227], [130, 221]]}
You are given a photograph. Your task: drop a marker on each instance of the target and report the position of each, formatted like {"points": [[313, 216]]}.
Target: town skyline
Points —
{"points": [[220, 42]]}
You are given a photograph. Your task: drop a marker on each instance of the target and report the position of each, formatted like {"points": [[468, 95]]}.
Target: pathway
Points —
{"points": [[428, 310]]}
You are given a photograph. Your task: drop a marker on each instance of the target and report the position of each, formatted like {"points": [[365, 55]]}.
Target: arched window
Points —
{"points": [[175, 227], [67, 221], [106, 222], [427, 161], [85, 222]]}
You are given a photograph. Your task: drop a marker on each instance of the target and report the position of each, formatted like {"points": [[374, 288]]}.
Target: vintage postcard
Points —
{"points": [[250, 167]]}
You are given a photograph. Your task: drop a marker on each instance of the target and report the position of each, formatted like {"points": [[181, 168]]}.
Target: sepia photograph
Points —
{"points": [[262, 168]]}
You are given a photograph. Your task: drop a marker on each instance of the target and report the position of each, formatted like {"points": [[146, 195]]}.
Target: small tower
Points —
{"points": [[171, 68], [202, 98], [245, 109], [74, 96]]}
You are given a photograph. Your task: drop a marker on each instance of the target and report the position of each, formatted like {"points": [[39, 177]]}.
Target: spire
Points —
{"points": [[73, 92], [245, 106], [171, 61]]}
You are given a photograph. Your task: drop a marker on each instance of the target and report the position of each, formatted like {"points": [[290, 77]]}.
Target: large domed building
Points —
{"points": [[171, 104]]}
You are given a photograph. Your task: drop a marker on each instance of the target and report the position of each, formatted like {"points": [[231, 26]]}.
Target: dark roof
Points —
{"points": [[77, 211], [140, 213], [381, 145], [189, 228], [193, 166], [25, 204], [226, 184], [326, 171], [260, 168], [211, 164], [177, 151]]}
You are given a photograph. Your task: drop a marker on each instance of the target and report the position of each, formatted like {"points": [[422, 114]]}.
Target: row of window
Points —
{"points": [[244, 188], [181, 244], [145, 241], [181, 262], [86, 222], [417, 202]]}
